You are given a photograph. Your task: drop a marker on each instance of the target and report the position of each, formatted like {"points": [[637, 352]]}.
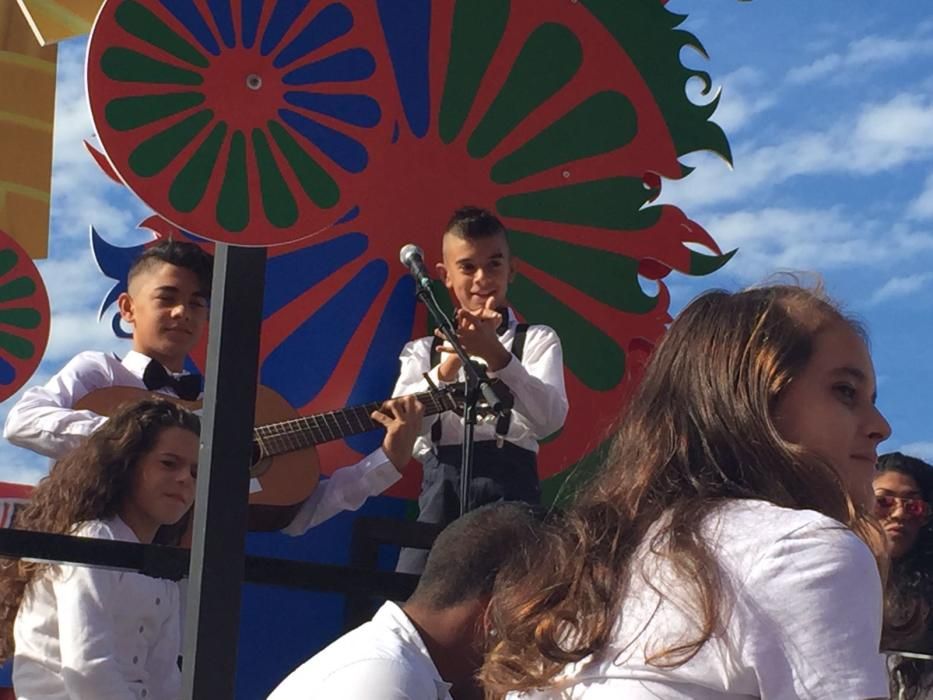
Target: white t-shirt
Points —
{"points": [[384, 659], [802, 610]]}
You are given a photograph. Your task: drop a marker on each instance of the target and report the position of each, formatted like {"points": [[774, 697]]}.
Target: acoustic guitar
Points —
{"points": [[284, 460]]}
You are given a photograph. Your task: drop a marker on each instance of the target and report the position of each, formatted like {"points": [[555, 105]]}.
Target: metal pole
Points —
{"points": [[217, 553]]}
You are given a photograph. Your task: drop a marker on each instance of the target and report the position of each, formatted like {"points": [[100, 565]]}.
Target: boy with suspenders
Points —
{"points": [[477, 268]]}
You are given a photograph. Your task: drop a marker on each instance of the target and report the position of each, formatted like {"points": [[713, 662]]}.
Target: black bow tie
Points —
{"points": [[187, 386]]}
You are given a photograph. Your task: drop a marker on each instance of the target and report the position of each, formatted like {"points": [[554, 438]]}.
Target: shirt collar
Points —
{"points": [[392, 616], [121, 530], [136, 362]]}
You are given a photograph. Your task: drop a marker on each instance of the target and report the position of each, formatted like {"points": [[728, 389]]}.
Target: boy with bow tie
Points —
{"points": [[477, 268], [166, 303]]}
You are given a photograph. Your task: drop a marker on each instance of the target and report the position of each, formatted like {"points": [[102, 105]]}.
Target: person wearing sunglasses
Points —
{"points": [[903, 489]]}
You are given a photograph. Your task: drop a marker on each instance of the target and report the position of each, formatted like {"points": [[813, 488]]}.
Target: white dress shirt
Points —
{"points": [[384, 659], [97, 634], [44, 421], [537, 382], [801, 606]]}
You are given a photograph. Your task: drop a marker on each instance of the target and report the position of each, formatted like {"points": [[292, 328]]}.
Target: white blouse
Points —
{"points": [[802, 618], [86, 633]]}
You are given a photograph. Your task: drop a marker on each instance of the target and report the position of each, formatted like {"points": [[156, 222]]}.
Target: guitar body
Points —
{"points": [[287, 479]]}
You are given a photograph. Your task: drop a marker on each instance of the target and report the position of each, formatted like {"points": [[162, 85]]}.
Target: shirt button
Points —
{"points": [[135, 659], [141, 629], [158, 601]]}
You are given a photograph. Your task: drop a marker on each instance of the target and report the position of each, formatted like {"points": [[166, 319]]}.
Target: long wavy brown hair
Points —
{"points": [[90, 483], [698, 430]]}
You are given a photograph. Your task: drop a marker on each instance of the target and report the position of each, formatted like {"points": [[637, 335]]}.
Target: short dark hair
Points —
{"points": [[475, 222], [180, 254], [468, 554]]}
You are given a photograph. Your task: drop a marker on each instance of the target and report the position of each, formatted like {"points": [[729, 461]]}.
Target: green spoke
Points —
{"points": [[127, 66], [601, 124], [190, 183], [547, 62], [8, 260], [126, 113], [316, 183], [477, 30], [614, 203], [277, 200], [233, 203], [21, 318], [594, 357], [19, 288], [154, 154], [141, 23], [16, 346], [608, 277]]}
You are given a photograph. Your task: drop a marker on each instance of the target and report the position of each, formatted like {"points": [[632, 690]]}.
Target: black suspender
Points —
{"points": [[518, 348]]}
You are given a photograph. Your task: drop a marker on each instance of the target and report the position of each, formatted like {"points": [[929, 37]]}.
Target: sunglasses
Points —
{"points": [[914, 508]]}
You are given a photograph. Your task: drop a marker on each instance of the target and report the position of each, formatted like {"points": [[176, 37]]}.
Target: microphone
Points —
{"points": [[412, 257]]}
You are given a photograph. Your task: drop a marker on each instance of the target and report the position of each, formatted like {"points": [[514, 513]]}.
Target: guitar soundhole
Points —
{"points": [[259, 462]]}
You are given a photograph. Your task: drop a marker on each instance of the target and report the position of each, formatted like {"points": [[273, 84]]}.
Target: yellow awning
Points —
{"points": [[27, 108], [54, 20]]}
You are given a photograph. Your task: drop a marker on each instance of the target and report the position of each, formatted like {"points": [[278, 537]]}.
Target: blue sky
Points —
{"points": [[829, 109]]}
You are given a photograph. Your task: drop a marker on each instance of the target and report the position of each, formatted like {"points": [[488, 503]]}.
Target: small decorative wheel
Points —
{"points": [[24, 317], [227, 123]]}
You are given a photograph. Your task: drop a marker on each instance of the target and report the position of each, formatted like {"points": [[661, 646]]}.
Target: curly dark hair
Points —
{"points": [[908, 618], [90, 483]]}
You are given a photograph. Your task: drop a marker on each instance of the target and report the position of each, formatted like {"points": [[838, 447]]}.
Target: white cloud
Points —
{"points": [[75, 332], [861, 54], [22, 466], [922, 450], [74, 282], [899, 287], [81, 193], [922, 206], [881, 137], [893, 133], [739, 103], [773, 239]]}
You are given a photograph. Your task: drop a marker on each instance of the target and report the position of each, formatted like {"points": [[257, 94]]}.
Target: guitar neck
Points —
{"points": [[306, 431]]}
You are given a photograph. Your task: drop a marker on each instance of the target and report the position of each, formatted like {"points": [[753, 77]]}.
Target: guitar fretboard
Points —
{"points": [[299, 433]]}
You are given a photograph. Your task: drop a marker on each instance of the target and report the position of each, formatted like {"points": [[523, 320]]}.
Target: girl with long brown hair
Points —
{"points": [[722, 552], [80, 632]]}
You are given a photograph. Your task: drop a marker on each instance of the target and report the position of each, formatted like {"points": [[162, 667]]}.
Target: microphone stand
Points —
{"points": [[477, 384]]}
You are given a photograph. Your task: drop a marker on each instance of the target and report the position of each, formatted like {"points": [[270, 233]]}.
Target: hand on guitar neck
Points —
{"points": [[401, 418], [284, 458]]}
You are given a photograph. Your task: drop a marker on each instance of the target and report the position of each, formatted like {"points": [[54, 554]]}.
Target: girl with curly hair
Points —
{"points": [[903, 494], [726, 549], [90, 633]]}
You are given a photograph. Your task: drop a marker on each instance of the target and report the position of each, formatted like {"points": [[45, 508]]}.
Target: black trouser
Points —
{"points": [[508, 473]]}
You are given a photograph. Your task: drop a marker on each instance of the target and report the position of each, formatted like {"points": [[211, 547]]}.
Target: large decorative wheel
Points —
{"points": [[368, 121], [24, 317]]}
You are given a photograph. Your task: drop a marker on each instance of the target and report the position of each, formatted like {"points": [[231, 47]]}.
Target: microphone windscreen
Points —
{"points": [[408, 251]]}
